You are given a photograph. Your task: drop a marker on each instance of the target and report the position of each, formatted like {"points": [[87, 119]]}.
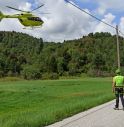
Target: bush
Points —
{"points": [[52, 76], [10, 74], [91, 72], [97, 73], [1, 74], [65, 73], [31, 72], [72, 72], [11, 79]]}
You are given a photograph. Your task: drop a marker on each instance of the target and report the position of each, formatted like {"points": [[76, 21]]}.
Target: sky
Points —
{"points": [[65, 22]]}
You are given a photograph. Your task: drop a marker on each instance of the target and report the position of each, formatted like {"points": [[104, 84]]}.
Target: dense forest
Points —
{"points": [[31, 58]]}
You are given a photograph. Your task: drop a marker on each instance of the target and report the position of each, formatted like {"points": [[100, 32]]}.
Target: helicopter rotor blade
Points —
{"points": [[25, 11], [17, 9], [37, 8]]}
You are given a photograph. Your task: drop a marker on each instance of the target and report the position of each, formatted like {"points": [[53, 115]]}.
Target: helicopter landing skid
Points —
{"points": [[30, 28]]}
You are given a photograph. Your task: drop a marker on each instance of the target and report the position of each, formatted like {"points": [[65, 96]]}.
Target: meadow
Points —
{"points": [[40, 103]]}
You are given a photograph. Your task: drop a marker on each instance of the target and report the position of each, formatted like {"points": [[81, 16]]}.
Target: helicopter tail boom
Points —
{"points": [[1, 15]]}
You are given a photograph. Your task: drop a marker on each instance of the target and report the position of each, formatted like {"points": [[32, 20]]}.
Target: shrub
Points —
{"points": [[31, 72], [52, 76], [1, 74], [91, 72], [72, 72]]}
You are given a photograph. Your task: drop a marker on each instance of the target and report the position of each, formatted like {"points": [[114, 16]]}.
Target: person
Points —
{"points": [[117, 88]]}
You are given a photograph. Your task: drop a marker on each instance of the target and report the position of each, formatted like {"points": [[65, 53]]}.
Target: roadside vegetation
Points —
{"points": [[40, 103]]}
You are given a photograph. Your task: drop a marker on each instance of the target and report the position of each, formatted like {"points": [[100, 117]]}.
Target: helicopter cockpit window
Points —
{"points": [[39, 19], [34, 18]]}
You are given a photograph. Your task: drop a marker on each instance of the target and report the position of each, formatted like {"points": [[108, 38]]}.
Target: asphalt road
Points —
{"points": [[101, 116]]}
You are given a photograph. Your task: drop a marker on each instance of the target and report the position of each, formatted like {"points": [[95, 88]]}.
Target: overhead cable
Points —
{"points": [[93, 16]]}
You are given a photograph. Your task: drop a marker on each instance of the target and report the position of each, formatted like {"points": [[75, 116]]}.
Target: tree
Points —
{"points": [[52, 64], [95, 53], [98, 62]]}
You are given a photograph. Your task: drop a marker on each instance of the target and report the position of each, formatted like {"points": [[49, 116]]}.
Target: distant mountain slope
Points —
{"points": [[24, 55]]}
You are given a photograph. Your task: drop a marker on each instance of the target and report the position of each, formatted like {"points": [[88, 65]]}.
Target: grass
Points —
{"points": [[40, 103]]}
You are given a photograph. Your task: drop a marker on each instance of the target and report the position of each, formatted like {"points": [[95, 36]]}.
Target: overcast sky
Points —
{"points": [[65, 21]]}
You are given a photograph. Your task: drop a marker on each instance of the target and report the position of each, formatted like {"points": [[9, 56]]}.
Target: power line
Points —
{"points": [[92, 16], [121, 33], [116, 28]]}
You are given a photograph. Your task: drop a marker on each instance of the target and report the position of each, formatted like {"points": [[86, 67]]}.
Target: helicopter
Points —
{"points": [[26, 18]]}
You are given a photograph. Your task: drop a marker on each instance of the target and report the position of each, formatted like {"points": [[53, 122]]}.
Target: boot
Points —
{"points": [[115, 108]]}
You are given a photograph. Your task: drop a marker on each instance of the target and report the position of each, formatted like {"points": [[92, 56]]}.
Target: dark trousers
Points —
{"points": [[119, 92]]}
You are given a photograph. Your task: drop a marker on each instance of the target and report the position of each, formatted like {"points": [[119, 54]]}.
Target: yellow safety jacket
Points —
{"points": [[119, 81]]}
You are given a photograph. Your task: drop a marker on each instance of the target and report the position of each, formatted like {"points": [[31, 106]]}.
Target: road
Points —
{"points": [[100, 116]]}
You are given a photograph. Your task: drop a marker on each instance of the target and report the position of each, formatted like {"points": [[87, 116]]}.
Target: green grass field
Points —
{"points": [[39, 103]]}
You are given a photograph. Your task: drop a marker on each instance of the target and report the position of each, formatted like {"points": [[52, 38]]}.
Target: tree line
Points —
{"points": [[32, 58]]}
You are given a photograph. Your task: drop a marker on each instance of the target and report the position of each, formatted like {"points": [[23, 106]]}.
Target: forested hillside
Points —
{"points": [[31, 58]]}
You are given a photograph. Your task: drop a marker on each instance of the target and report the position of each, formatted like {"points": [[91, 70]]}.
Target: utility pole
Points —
{"points": [[118, 49]]}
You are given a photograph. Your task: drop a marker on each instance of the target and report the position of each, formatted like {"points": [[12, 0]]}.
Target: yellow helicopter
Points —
{"points": [[26, 18]]}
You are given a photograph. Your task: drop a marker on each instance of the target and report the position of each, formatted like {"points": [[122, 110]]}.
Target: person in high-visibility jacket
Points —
{"points": [[117, 88]]}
